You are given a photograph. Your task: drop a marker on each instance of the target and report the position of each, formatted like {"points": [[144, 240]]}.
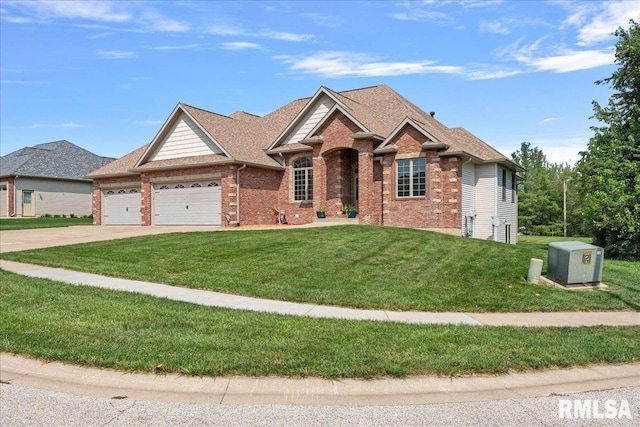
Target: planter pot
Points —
{"points": [[351, 213], [321, 214]]}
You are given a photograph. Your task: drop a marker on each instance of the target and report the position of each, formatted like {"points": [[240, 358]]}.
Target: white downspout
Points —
{"points": [[15, 197], [238, 194]]}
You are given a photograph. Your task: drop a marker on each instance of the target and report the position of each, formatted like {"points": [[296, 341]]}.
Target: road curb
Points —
{"points": [[106, 383]]}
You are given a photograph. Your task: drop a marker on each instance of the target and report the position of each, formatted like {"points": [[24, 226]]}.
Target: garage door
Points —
{"points": [[4, 201], [193, 203], [122, 207]]}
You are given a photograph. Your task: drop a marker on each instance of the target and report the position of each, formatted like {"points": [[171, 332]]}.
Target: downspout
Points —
{"points": [[382, 192], [467, 232], [238, 194], [15, 195]]}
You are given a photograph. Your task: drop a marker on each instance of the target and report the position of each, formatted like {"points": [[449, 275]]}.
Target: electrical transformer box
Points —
{"points": [[575, 263]]}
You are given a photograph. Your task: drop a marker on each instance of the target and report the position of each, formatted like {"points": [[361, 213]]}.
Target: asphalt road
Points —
{"points": [[22, 406]]}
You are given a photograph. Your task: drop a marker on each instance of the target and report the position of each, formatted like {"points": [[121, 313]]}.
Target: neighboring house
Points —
{"points": [[47, 179], [368, 147]]}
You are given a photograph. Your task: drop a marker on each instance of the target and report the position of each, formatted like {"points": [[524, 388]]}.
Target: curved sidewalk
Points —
{"points": [[217, 299]]}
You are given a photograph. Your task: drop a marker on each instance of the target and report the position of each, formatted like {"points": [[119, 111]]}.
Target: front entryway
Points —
{"points": [[342, 183]]}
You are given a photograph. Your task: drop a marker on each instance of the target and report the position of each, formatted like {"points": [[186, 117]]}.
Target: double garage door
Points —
{"points": [[187, 203], [183, 203]]}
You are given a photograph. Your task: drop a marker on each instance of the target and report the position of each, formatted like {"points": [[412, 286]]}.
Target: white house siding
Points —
{"points": [[485, 200], [468, 198], [507, 209], [185, 139], [310, 120], [55, 197]]}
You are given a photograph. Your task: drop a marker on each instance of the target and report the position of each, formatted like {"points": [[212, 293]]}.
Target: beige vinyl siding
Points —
{"points": [[185, 139], [310, 120], [485, 200], [507, 210], [55, 197], [468, 194]]}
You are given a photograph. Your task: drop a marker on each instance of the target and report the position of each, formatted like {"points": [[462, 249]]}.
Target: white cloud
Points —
{"points": [[83, 9], [155, 22], [572, 60], [483, 72], [423, 14], [548, 120], [117, 54], [347, 64], [496, 27], [605, 22], [112, 12], [224, 30], [290, 37], [183, 47], [239, 45], [560, 59], [230, 30], [71, 124]]}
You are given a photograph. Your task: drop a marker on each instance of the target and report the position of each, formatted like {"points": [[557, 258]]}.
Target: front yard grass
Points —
{"points": [[362, 267], [96, 327], [7, 224]]}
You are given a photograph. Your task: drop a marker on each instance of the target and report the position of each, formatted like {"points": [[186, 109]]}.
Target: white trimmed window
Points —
{"points": [[411, 178], [303, 179]]}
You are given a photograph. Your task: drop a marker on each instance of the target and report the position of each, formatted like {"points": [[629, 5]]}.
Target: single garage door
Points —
{"points": [[122, 207], [4, 201], [193, 203]]}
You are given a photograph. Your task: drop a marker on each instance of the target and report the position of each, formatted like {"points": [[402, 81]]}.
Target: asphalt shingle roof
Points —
{"points": [[246, 137], [59, 159]]}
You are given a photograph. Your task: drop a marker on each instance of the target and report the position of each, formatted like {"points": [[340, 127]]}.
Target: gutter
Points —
{"points": [[238, 194]]}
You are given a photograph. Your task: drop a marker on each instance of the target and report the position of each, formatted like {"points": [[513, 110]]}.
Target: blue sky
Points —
{"points": [[105, 75]]}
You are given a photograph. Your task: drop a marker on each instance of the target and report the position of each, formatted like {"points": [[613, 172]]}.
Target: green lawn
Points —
{"points": [[89, 326], [363, 266], [41, 222]]}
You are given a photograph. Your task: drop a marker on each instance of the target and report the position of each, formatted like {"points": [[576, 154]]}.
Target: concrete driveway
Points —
{"points": [[20, 240]]}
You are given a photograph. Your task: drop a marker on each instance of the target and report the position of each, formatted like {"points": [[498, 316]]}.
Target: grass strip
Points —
{"points": [[130, 332], [363, 267], [7, 224]]}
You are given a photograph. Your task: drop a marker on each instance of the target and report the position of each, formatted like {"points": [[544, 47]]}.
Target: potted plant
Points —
{"points": [[349, 210], [321, 213]]}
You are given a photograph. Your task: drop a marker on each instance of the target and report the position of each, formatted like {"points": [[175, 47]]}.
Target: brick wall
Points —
{"points": [[440, 208], [258, 195]]}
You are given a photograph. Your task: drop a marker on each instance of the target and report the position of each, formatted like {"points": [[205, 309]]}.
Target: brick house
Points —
{"points": [[367, 147]]}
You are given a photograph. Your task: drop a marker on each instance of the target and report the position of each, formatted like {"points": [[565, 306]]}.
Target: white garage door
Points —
{"points": [[122, 207], [193, 203], [4, 201]]}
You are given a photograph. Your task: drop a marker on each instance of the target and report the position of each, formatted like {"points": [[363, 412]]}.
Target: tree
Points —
{"points": [[609, 170], [538, 210]]}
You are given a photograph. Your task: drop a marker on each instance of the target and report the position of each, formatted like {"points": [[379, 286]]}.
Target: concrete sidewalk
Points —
{"points": [[107, 383], [217, 299]]}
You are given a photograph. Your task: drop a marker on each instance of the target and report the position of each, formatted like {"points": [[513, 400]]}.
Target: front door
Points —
{"points": [[27, 203]]}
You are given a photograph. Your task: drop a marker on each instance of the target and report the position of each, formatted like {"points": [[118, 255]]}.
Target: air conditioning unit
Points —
{"points": [[575, 263]]}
